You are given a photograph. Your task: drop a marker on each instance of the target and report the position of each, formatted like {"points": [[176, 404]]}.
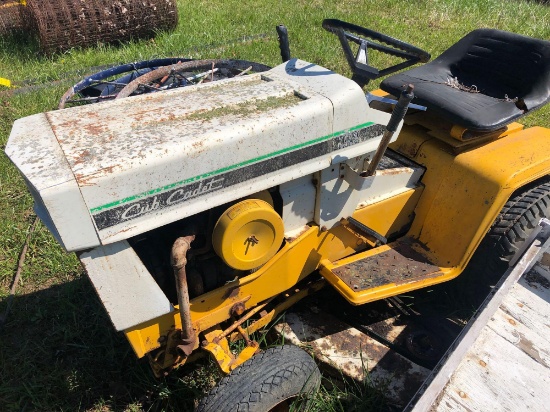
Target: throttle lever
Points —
{"points": [[397, 115]]}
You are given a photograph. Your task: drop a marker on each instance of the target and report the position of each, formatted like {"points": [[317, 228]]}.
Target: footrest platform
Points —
{"points": [[381, 272]]}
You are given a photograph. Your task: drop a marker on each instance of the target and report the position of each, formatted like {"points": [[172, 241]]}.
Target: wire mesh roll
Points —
{"points": [[63, 24], [10, 17]]}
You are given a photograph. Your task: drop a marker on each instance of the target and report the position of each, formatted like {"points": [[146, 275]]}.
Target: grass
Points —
{"points": [[58, 350]]}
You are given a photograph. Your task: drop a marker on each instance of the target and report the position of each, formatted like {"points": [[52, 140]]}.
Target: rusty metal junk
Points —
{"points": [[63, 24], [10, 16], [178, 261]]}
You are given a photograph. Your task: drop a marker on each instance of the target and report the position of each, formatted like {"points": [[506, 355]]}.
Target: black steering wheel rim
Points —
{"points": [[333, 25], [367, 38]]}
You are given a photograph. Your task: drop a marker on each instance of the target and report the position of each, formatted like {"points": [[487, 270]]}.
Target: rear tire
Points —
{"points": [[265, 382], [517, 219]]}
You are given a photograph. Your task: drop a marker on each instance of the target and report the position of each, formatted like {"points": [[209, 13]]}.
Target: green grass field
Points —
{"points": [[58, 350]]}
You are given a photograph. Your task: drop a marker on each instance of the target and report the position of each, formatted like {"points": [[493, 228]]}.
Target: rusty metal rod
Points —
{"points": [[397, 115], [178, 261], [17, 276], [241, 321], [245, 336]]}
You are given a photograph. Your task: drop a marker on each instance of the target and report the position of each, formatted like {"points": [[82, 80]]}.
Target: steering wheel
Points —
{"points": [[367, 38]]}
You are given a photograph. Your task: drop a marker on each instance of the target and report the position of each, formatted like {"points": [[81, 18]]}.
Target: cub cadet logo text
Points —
{"points": [[233, 176], [177, 196]]}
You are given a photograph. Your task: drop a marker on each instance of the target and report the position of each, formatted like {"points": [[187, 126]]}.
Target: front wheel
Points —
{"points": [[270, 381]]}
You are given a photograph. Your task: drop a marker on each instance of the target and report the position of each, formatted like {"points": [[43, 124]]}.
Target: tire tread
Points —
{"points": [[246, 388], [519, 217]]}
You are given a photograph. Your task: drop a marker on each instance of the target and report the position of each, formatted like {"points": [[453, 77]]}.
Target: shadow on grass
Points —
{"points": [[59, 351], [20, 45]]}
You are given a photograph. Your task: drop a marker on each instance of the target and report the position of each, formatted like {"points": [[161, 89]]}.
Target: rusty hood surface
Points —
{"points": [[104, 172]]}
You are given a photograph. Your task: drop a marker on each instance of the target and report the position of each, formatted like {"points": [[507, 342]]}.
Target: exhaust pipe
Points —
{"points": [[178, 261]]}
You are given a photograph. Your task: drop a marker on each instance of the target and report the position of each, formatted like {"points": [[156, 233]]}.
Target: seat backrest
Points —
{"points": [[502, 64]]}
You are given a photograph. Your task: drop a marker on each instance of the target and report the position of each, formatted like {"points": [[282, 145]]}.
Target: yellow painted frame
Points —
{"points": [[294, 262], [464, 193], [461, 196]]}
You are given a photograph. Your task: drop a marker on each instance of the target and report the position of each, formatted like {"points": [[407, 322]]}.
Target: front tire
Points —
{"points": [[266, 382]]}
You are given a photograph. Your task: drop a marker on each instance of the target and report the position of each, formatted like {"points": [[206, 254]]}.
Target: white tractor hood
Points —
{"points": [[104, 172]]}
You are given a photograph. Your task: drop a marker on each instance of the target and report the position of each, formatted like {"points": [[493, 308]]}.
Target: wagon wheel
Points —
{"points": [[107, 84], [516, 221], [270, 381], [186, 74]]}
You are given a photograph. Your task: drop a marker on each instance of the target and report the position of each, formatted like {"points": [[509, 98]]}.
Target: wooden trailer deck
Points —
{"points": [[501, 361]]}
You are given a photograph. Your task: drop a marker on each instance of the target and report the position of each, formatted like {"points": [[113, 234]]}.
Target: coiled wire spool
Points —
{"points": [[10, 16], [63, 24]]}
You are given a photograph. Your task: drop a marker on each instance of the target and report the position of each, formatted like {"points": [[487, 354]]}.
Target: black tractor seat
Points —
{"points": [[483, 82]]}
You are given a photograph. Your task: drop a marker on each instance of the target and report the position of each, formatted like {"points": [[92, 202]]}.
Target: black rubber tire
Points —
{"points": [[265, 381], [517, 219]]}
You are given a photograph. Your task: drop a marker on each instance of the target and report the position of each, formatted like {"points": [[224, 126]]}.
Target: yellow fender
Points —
{"points": [[465, 192]]}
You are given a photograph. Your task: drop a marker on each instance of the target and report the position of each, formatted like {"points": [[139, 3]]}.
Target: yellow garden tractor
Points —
{"points": [[201, 213]]}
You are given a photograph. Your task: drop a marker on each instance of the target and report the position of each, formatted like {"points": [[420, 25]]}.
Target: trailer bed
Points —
{"points": [[501, 361]]}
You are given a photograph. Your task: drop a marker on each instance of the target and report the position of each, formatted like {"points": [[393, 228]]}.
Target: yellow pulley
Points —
{"points": [[248, 234]]}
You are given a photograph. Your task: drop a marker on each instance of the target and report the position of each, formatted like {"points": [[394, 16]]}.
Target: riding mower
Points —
{"points": [[202, 213]]}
